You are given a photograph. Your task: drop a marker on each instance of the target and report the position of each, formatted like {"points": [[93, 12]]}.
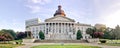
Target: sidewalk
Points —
{"points": [[28, 45], [103, 46]]}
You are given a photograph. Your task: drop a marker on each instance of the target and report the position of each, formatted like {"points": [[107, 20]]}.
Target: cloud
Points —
{"points": [[36, 5], [34, 9], [112, 19], [40, 1], [108, 11]]}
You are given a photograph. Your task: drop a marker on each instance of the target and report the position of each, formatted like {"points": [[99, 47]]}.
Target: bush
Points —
{"points": [[98, 34], [41, 35], [103, 41], [79, 35], [21, 35]]}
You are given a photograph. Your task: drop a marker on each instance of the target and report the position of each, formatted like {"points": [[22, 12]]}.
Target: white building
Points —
{"points": [[58, 27]]}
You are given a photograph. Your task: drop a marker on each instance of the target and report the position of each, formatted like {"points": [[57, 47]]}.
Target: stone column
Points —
{"points": [[45, 28], [61, 28], [58, 28], [42, 28], [67, 27], [52, 31], [70, 27], [64, 27], [55, 27], [51, 27], [48, 27]]}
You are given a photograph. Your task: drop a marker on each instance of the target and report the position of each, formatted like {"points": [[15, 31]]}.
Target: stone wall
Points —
{"points": [[93, 40], [28, 40]]}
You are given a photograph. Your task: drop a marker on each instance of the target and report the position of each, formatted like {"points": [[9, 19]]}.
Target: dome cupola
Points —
{"points": [[59, 11]]}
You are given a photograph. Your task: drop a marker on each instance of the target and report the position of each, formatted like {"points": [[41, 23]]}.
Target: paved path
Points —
{"points": [[103, 46], [28, 45]]}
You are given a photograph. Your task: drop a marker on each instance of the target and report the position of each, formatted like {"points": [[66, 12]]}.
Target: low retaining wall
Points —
{"points": [[93, 40], [28, 40]]}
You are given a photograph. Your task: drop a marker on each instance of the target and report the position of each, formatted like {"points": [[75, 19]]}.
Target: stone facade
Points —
{"points": [[58, 27]]}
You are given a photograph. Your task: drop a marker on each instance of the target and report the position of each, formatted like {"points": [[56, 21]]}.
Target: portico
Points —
{"points": [[59, 30]]}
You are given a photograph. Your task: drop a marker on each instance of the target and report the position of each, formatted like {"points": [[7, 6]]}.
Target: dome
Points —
{"points": [[59, 11]]}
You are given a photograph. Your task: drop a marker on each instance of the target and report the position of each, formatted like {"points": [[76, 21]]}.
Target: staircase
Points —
{"points": [[60, 41]]}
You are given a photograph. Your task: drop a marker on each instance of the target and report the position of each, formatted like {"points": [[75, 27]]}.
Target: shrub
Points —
{"points": [[41, 35], [98, 34], [21, 35], [79, 35], [103, 41]]}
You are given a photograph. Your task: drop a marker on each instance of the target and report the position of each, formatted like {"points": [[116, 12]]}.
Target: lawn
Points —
{"points": [[64, 46], [9, 45], [113, 41], [110, 44]]}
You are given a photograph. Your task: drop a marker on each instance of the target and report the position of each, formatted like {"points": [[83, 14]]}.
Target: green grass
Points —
{"points": [[113, 41], [110, 44], [9, 45], [64, 46], [18, 40]]}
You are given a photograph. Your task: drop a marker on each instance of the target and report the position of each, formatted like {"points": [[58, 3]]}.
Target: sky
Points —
{"points": [[13, 13]]}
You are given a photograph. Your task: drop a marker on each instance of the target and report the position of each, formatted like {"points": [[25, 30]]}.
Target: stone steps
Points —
{"points": [[60, 41]]}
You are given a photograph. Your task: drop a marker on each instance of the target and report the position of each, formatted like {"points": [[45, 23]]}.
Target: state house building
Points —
{"points": [[58, 27]]}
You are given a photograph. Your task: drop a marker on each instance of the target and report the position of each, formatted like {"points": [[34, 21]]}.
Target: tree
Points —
{"points": [[10, 32], [117, 32], [98, 34], [90, 31], [1, 38], [5, 36], [107, 35], [41, 35], [102, 29], [79, 35], [113, 34], [21, 35], [94, 29]]}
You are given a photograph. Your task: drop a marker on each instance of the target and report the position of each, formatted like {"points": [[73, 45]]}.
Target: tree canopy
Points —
{"points": [[117, 32], [13, 34], [79, 35], [21, 35], [5, 36]]}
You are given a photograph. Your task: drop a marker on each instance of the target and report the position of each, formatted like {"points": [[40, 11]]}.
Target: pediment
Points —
{"points": [[59, 19]]}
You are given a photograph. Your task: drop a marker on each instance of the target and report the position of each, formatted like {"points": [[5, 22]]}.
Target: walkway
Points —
{"points": [[103, 46], [28, 45]]}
